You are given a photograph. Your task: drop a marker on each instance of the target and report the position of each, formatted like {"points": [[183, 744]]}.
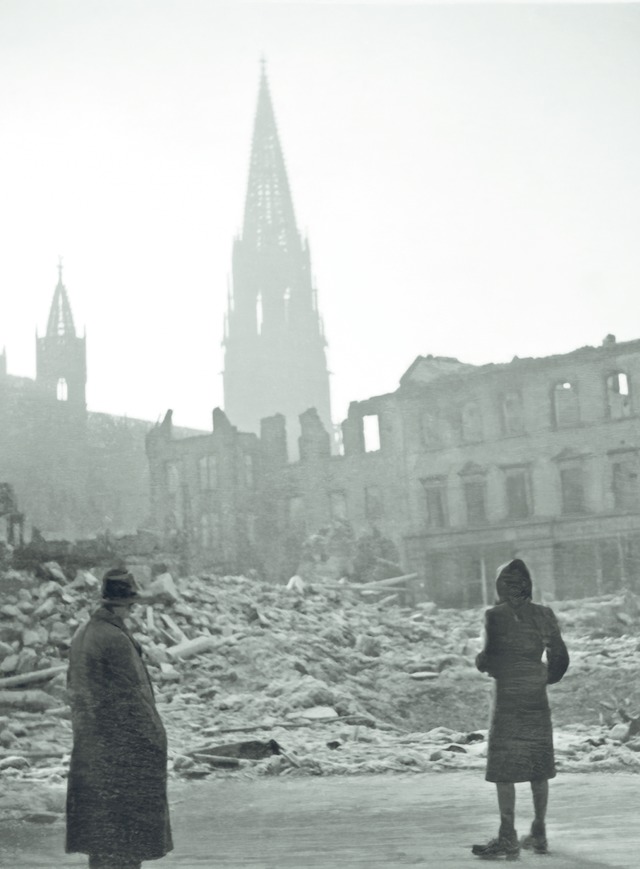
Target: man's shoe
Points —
{"points": [[503, 847], [536, 841]]}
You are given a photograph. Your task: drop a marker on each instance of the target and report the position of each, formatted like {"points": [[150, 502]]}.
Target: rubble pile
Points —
{"points": [[309, 678]]}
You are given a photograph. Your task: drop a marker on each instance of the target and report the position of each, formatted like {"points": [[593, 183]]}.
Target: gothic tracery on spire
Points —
{"points": [[269, 218]]}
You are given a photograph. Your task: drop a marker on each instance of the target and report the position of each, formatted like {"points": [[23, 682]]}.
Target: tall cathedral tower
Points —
{"points": [[274, 342], [61, 356]]}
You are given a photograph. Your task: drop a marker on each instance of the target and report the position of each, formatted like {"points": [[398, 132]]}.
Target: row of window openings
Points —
{"points": [[208, 476], [565, 411], [625, 487], [565, 408], [338, 508], [519, 503]]}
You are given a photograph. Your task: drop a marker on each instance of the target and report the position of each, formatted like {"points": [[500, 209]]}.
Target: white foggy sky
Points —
{"points": [[468, 176]]}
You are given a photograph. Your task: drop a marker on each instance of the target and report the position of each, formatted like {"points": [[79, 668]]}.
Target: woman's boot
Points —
{"points": [[536, 841], [504, 845]]}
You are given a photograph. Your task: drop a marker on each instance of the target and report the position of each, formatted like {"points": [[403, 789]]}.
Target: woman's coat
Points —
{"points": [[518, 632]]}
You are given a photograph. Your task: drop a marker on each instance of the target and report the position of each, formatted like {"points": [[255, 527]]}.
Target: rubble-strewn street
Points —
{"points": [[254, 679]]}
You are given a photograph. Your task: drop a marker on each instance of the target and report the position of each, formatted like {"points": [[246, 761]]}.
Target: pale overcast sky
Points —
{"points": [[468, 177]]}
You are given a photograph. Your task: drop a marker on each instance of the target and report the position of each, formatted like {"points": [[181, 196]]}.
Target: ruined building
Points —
{"points": [[274, 343], [462, 466], [74, 472]]}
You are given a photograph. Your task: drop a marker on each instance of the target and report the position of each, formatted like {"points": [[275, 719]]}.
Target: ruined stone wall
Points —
{"points": [[557, 430], [461, 468], [204, 492], [75, 473]]}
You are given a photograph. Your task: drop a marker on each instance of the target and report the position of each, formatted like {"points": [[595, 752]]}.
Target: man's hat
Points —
{"points": [[118, 584]]}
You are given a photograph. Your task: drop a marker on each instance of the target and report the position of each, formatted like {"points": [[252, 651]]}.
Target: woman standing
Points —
{"points": [[518, 631]]}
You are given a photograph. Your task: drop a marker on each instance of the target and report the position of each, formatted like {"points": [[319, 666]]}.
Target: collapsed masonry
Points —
{"points": [[341, 681]]}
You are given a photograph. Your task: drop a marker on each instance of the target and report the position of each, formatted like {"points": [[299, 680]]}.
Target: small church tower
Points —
{"points": [[61, 356], [274, 341]]}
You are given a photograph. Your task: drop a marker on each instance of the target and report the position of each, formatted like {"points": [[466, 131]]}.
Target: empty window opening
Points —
{"points": [[518, 499], [287, 304], [626, 488], [572, 489], [251, 529], [430, 430], [338, 440], [209, 530], [172, 478], [475, 496], [436, 503], [566, 411], [208, 472], [249, 476], [512, 413], [471, 422], [618, 395], [62, 390], [371, 432], [373, 504]]}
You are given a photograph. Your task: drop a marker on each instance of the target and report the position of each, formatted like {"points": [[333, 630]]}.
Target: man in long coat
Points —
{"points": [[117, 809]]}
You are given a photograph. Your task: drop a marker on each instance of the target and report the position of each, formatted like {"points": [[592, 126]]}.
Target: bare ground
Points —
{"points": [[369, 821]]}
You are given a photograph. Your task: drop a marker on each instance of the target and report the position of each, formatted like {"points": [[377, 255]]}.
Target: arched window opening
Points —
{"points": [[62, 390]]}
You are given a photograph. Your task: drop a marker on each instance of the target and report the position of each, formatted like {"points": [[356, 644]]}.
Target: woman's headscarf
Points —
{"points": [[514, 583]]}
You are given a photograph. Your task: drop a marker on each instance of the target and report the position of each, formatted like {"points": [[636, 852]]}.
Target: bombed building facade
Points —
{"points": [[462, 467], [74, 472]]}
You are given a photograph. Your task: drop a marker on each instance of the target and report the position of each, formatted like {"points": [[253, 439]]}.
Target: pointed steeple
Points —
{"points": [[269, 219], [61, 356], [60, 322], [275, 359]]}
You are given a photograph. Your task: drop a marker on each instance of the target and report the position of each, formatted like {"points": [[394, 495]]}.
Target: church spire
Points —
{"points": [[269, 219], [61, 356], [275, 359], [60, 322]]}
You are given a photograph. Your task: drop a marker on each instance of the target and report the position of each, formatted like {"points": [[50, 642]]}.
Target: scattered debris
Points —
{"points": [[341, 682]]}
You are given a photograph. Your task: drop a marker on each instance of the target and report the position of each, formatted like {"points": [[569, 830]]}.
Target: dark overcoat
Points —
{"points": [[117, 789], [518, 633]]}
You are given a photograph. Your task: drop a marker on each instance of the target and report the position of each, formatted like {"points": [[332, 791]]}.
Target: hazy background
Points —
{"points": [[468, 176]]}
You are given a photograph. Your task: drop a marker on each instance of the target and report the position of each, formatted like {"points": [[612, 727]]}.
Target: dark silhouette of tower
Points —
{"points": [[274, 341], [61, 356]]}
